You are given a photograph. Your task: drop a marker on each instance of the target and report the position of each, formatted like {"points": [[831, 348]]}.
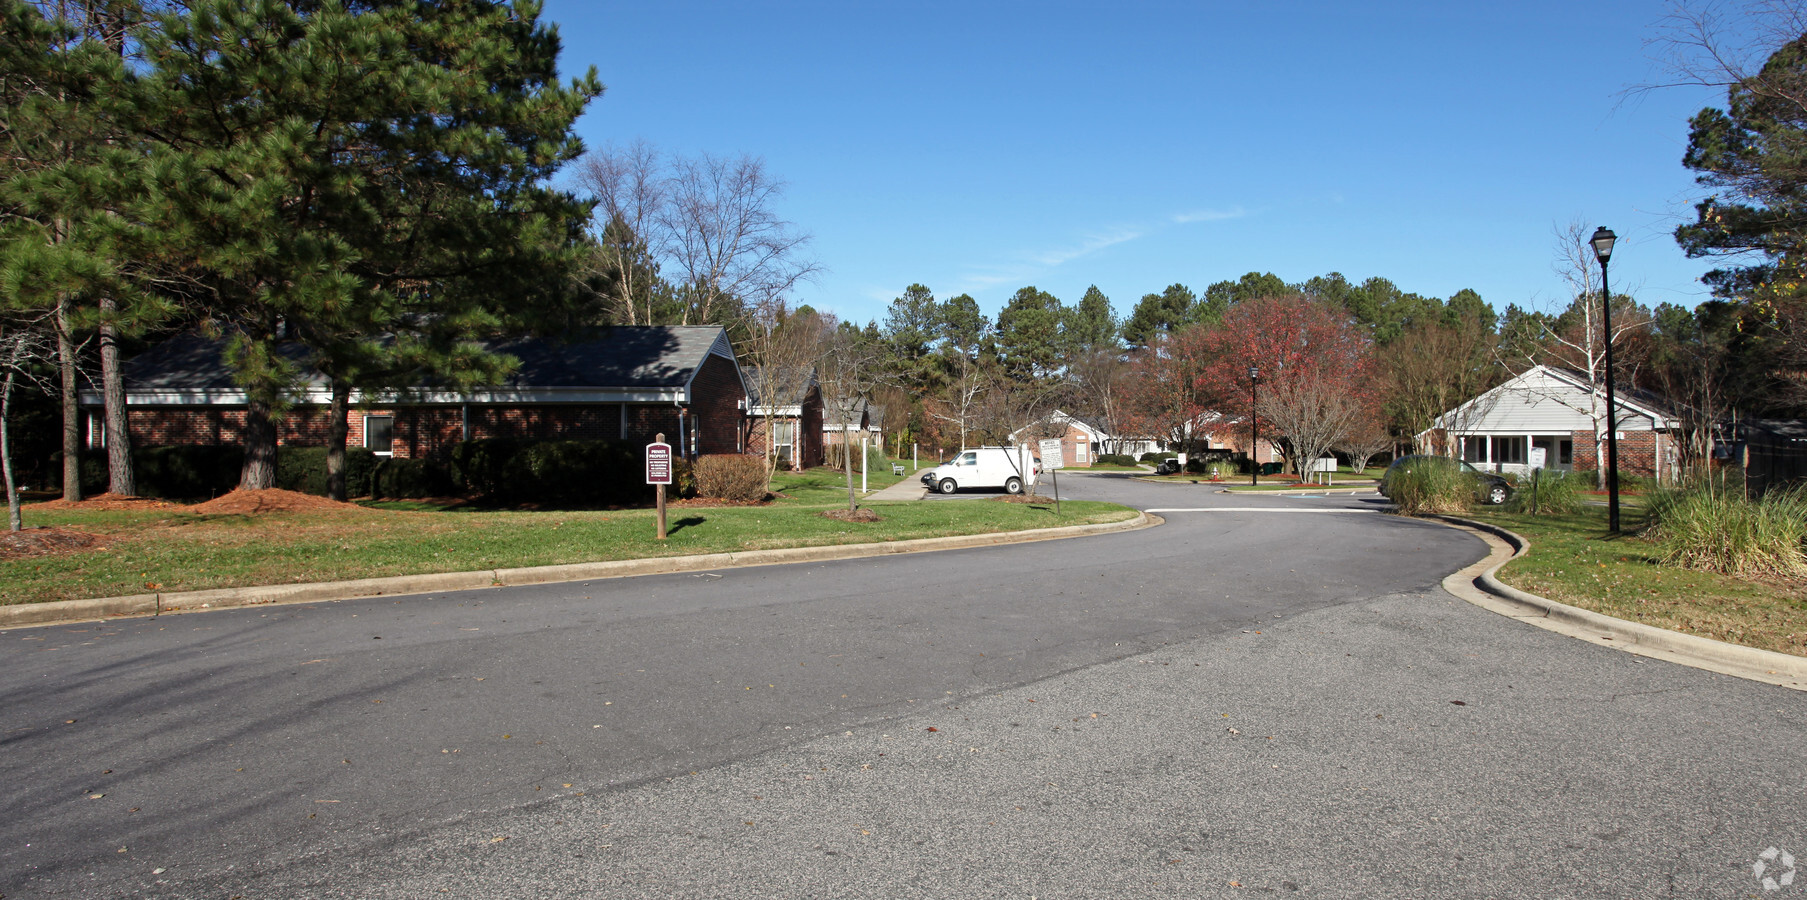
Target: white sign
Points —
{"points": [[1053, 457], [1540, 457]]}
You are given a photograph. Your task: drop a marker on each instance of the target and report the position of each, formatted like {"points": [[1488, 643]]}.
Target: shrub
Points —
{"points": [[1550, 494], [1116, 459], [304, 469], [400, 477], [736, 477], [605, 473], [180, 471], [580, 472], [1707, 527], [1157, 457], [1427, 490]]}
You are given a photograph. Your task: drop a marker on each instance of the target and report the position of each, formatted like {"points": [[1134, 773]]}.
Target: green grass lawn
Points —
{"points": [[174, 550], [1574, 560]]}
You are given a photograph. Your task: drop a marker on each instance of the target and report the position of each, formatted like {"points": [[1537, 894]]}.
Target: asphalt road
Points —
{"points": [[1263, 694]]}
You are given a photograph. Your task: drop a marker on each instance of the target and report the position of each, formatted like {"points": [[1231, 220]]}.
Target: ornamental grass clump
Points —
{"points": [[1550, 494], [1423, 490], [1707, 527]]}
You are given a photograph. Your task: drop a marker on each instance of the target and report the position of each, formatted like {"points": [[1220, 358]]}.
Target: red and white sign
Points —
{"points": [[658, 463]]}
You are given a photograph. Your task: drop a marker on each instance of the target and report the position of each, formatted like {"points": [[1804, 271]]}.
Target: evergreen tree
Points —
{"points": [[367, 179], [1029, 335], [1090, 326], [1161, 313]]}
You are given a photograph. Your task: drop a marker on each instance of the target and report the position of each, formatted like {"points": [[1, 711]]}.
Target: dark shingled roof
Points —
{"points": [[656, 356]]}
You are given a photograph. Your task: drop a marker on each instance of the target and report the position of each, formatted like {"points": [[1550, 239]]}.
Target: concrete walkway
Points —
{"points": [[907, 489]]}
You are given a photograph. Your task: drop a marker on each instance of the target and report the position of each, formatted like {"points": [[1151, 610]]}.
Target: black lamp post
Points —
{"points": [[1603, 241], [1254, 427]]}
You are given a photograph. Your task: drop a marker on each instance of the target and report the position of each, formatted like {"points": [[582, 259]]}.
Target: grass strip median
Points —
{"points": [[1574, 560], [175, 550]]}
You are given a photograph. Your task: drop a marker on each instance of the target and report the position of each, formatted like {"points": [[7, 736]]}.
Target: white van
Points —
{"points": [[984, 467]]}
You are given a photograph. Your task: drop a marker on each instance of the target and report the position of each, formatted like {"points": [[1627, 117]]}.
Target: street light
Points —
{"points": [[1254, 427], [1603, 240]]}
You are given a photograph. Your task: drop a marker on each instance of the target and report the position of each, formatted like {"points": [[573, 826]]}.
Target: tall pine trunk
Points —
{"points": [[120, 478], [72, 413], [338, 426], [259, 472]]}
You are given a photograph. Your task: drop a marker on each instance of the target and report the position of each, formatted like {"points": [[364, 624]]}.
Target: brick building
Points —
{"points": [[1557, 416], [791, 406], [625, 383]]}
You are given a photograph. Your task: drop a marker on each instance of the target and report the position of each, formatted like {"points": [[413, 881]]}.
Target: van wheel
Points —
{"points": [[1013, 485], [947, 486]]}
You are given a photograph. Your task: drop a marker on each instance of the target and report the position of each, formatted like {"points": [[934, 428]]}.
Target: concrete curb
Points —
{"points": [[66, 611], [1478, 585]]}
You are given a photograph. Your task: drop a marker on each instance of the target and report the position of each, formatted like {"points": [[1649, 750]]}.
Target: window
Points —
{"points": [[1079, 453], [379, 434], [97, 431], [783, 438], [1565, 452], [969, 458], [1474, 449], [1509, 449]]}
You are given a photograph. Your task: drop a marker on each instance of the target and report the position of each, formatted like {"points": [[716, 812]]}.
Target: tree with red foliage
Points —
{"points": [[1161, 395], [1317, 371]]}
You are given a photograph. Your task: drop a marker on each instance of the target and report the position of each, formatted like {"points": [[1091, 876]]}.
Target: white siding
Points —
{"points": [[1536, 403]]}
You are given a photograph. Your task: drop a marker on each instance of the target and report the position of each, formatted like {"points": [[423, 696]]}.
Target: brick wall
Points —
{"points": [[718, 408], [1637, 451]]}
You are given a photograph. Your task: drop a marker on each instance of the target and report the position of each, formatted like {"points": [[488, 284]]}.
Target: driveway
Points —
{"points": [[1263, 694]]}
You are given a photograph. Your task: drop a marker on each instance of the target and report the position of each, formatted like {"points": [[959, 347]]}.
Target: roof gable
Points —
{"points": [[1548, 398]]}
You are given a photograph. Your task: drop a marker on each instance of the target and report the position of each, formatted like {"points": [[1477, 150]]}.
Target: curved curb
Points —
{"points": [[1478, 585], [59, 612]]}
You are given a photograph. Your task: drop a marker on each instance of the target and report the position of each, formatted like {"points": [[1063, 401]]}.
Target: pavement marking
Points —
{"points": [[1267, 509]]}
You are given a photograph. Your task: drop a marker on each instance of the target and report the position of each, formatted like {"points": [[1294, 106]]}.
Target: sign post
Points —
{"points": [[1054, 458], [658, 473]]}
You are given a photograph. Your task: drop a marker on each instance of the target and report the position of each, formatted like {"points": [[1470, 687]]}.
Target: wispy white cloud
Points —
{"points": [[1090, 245], [1208, 215]]}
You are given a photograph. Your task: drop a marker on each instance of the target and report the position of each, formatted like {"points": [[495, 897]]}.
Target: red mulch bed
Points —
{"points": [[46, 542], [274, 500], [109, 501]]}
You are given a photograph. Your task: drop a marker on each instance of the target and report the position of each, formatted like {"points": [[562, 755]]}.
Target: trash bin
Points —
{"points": [[1272, 468]]}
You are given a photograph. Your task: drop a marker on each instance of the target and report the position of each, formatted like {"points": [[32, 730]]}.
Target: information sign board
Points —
{"points": [[658, 463], [1053, 457]]}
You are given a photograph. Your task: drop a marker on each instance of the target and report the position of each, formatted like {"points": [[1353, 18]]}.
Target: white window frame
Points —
{"points": [[388, 449]]}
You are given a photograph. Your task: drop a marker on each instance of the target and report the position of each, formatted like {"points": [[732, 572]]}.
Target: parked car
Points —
{"points": [[1488, 487], [1168, 466], [981, 467]]}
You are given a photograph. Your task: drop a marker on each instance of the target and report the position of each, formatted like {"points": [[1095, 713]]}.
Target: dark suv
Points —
{"points": [[1488, 487]]}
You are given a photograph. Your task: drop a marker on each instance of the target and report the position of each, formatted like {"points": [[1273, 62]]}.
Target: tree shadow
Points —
{"points": [[686, 522]]}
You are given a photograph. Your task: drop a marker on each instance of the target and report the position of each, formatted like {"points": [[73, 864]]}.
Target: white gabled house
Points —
{"points": [[1557, 411]]}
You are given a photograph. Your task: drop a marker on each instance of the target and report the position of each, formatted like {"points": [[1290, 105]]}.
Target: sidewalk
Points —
{"points": [[907, 489]]}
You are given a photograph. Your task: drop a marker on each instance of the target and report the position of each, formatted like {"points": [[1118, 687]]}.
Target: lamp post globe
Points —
{"points": [[1603, 240]]}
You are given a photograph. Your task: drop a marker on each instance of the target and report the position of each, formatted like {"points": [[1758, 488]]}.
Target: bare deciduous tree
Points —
{"points": [[1576, 341], [24, 348], [631, 193], [710, 222], [849, 370], [726, 237], [782, 349]]}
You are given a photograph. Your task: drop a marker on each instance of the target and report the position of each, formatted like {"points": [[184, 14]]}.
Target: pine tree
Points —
{"points": [[368, 179]]}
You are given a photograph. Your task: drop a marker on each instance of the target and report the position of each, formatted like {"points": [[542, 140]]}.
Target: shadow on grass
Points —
{"points": [[686, 522]]}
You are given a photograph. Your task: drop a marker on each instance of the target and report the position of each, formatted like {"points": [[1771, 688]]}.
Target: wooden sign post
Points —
{"points": [[658, 473]]}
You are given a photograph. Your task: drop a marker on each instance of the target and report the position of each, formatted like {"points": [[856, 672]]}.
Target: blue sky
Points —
{"points": [[980, 147]]}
